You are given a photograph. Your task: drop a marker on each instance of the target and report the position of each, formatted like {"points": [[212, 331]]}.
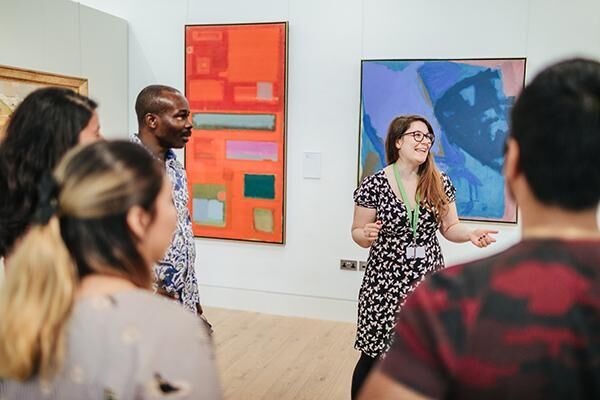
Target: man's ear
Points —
{"points": [[137, 221], [511, 159], [151, 120]]}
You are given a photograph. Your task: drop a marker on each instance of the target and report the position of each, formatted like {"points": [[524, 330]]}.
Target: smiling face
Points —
{"points": [[173, 126], [409, 149]]}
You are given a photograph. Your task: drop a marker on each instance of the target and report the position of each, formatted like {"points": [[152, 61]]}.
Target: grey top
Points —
{"points": [[129, 345]]}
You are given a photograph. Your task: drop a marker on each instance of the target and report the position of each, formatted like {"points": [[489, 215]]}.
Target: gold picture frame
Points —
{"points": [[17, 83]]}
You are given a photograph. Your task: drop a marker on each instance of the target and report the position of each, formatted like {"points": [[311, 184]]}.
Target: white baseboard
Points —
{"points": [[279, 303]]}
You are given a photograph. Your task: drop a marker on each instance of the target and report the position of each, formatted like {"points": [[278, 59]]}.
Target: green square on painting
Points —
{"points": [[263, 220], [208, 204], [259, 186], [206, 190]]}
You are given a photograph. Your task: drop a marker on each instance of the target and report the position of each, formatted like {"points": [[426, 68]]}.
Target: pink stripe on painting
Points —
{"points": [[514, 74], [251, 150]]}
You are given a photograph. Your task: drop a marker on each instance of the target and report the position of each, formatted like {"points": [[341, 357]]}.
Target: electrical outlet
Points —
{"points": [[348, 265], [362, 265]]}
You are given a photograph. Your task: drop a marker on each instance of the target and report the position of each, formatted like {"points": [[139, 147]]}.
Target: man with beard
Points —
{"points": [[164, 124], [522, 324]]}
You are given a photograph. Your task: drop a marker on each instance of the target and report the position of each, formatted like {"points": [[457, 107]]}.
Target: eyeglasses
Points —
{"points": [[419, 136]]}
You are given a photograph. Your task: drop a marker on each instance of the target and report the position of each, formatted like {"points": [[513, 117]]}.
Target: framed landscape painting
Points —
{"points": [[467, 102], [17, 83], [235, 82]]}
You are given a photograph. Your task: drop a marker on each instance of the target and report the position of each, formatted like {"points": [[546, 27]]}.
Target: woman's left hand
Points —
{"points": [[482, 237]]}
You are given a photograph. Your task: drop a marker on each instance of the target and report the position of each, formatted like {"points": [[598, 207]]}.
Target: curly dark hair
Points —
{"points": [[44, 126]]}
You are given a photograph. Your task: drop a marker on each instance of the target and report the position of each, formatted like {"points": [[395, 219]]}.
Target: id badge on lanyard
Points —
{"points": [[412, 251]]}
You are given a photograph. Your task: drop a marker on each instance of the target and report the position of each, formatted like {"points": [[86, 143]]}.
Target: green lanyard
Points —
{"points": [[413, 215]]}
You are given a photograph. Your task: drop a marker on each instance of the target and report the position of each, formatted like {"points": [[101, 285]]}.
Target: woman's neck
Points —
{"points": [[98, 285], [408, 171]]}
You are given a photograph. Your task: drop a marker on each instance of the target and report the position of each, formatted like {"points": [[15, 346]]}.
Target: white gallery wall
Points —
{"points": [[327, 40], [66, 38]]}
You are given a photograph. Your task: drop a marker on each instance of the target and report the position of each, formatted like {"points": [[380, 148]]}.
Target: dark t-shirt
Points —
{"points": [[524, 324]]}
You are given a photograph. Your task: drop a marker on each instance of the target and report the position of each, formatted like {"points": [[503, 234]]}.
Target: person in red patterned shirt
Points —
{"points": [[525, 323]]}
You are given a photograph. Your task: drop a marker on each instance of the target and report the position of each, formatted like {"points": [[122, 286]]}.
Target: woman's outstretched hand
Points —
{"points": [[482, 237]]}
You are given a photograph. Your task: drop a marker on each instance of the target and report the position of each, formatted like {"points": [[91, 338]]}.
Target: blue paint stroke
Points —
{"points": [[394, 65], [439, 76], [474, 115], [388, 93], [372, 143]]}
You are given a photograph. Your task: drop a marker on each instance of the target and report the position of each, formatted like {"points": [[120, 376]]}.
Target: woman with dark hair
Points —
{"points": [[397, 214], [46, 124], [77, 317]]}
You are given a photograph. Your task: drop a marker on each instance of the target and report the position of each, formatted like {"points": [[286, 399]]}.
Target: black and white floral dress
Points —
{"points": [[390, 277]]}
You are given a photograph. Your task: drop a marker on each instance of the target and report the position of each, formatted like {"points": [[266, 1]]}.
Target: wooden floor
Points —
{"points": [[269, 357]]}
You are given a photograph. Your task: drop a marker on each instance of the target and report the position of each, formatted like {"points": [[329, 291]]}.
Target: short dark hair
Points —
{"points": [[43, 127], [556, 122], [149, 101]]}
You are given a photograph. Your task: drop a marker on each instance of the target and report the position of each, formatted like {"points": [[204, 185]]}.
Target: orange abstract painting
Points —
{"points": [[235, 82]]}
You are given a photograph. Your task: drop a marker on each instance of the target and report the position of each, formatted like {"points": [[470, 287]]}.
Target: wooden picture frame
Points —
{"points": [[17, 83]]}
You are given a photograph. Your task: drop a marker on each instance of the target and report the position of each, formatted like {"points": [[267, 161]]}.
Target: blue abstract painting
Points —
{"points": [[468, 104]]}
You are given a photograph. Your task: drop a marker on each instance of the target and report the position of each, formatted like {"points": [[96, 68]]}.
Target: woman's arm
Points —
{"points": [[454, 231], [364, 227]]}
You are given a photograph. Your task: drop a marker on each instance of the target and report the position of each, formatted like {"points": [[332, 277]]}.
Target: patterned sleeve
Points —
{"points": [[425, 343], [449, 188], [367, 193]]}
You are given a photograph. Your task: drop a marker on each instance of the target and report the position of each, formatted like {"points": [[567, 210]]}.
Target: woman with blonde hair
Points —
{"points": [[77, 319], [397, 214]]}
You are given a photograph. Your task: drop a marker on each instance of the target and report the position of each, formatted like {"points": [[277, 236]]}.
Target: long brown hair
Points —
{"points": [[33, 146], [95, 187], [430, 187]]}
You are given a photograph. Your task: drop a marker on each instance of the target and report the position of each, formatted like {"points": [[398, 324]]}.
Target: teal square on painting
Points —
{"points": [[259, 186]]}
